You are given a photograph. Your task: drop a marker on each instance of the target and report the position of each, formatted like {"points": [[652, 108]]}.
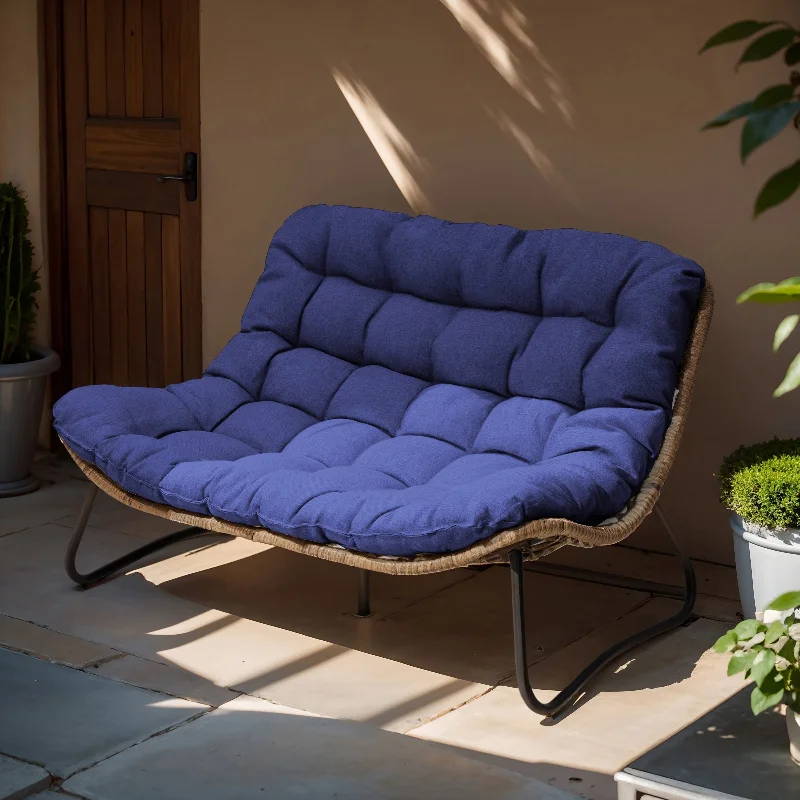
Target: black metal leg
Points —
{"points": [[567, 695], [363, 594], [118, 564]]}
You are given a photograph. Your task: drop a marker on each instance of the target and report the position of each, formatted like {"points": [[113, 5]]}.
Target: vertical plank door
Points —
{"points": [[131, 118]]}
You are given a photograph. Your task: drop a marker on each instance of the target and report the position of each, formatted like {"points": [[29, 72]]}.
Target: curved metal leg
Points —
{"points": [[118, 564], [568, 694]]}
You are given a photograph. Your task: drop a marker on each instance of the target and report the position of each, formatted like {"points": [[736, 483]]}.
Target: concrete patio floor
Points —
{"points": [[236, 670]]}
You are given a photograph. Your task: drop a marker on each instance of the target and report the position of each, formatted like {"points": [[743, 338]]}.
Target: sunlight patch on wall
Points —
{"points": [[516, 23], [493, 46], [540, 160], [392, 147]]}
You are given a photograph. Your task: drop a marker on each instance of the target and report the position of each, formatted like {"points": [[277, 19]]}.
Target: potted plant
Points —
{"points": [[761, 484], [768, 653], [23, 367]]}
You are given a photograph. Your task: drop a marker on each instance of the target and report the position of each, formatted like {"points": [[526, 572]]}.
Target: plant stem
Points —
{"points": [[4, 353]]}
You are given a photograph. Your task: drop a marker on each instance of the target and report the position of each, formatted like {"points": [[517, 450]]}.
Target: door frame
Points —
{"points": [[54, 157]]}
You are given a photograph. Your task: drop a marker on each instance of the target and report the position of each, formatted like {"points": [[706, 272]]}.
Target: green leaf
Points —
{"points": [[741, 661], [761, 702], [780, 93], [747, 628], [768, 44], [725, 643], [785, 602], [780, 187], [792, 55], [791, 380], [781, 292], [784, 330], [761, 126], [774, 632], [763, 664], [735, 33], [737, 112]]}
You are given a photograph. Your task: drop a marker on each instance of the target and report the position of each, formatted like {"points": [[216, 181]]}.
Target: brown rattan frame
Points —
{"points": [[535, 539]]}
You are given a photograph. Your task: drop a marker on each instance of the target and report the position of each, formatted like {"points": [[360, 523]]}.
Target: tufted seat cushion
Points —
{"points": [[408, 385]]}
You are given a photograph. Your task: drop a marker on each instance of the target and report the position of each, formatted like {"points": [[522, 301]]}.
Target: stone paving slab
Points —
{"points": [[636, 702], [165, 678], [282, 665], [17, 634], [37, 508], [250, 749], [716, 580], [18, 779], [112, 515], [65, 719]]}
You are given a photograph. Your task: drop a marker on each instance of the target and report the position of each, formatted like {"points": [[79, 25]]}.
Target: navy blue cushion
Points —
{"points": [[407, 385]]}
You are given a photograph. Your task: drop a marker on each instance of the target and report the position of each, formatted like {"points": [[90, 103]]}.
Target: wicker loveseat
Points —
{"points": [[409, 395]]}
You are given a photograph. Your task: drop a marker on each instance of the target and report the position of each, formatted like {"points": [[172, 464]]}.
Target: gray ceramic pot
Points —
{"points": [[21, 402]]}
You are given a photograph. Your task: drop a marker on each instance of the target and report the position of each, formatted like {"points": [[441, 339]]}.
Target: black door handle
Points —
{"points": [[188, 178]]}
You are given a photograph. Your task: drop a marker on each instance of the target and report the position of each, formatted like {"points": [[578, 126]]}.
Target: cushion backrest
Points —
{"points": [[583, 319]]}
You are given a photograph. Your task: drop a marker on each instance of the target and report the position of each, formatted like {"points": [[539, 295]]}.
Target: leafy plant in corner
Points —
{"points": [[772, 110], [768, 653], [18, 279]]}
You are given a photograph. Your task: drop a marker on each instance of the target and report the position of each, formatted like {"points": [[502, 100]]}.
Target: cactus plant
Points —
{"points": [[19, 281]]}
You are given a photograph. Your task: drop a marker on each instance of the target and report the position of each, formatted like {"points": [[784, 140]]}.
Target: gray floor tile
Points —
{"points": [[52, 501], [18, 779], [164, 678], [112, 515], [65, 719], [249, 749], [26, 637]]}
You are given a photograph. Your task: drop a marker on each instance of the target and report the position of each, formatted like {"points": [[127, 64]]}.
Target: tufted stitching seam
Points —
{"points": [[591, 356], [369, 321], [410, 403], [494, 452], [436, 341], [303, 310], [430, 436], [286, 349], [310, 500], [231, 413], [191, 413], [541, 270], [625, 281], [333, 394]]}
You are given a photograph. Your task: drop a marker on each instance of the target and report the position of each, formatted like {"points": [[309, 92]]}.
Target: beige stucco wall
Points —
{"points": [[536, 114], [20, 160]]}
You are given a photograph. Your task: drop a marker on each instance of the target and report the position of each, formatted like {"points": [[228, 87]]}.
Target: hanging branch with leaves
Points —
{"points": [[773, 110]]}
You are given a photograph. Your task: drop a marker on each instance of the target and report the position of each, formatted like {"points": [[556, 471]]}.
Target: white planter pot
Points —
{"points": [[767, 564], [793, 724]]}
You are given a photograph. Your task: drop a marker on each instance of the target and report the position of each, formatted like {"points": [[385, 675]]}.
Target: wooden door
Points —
{"points": [[131, 114]]}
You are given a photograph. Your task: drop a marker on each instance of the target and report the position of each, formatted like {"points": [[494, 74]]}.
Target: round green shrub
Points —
{"points": [[761, 483]]}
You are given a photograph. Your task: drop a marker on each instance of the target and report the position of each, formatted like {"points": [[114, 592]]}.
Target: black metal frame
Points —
{"points": [[573, 689], [85, 580], [516, 561]]}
